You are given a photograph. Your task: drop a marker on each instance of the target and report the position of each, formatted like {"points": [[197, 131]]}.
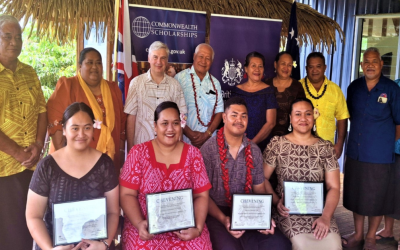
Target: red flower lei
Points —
{"points": [[225, 174], [197, 107]]}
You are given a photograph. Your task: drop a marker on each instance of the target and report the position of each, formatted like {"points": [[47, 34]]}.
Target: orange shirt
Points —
{"points": [[68, 91]]}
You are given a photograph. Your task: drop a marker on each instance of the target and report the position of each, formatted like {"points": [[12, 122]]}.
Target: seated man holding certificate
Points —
{"points": [[234, 166], [304, 163], [164, 165], [73, 175]]}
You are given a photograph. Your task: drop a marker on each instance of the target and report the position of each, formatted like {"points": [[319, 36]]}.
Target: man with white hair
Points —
{"points": [[203, 97], [23, 123], [374, 105], [148, 90]]}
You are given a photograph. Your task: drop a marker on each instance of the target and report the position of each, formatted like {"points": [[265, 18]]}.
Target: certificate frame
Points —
{"points": [[67, 210], [157, 223], [254, 224], [320, 199]]}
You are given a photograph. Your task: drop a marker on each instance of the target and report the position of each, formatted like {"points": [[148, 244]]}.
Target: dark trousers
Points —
{"points": [[221, 239], [14, 233]]}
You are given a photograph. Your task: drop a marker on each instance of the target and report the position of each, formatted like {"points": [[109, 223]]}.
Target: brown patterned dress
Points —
{"points": [[306, 163]]}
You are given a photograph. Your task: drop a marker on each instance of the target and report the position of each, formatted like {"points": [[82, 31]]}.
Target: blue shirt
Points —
{"points": [[373, 115], [397, 145], [206, 96], [257, 104]]}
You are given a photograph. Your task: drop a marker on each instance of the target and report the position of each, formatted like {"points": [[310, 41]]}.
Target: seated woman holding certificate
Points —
{"points": [[75, 172], [161, 165], [302, 156]]}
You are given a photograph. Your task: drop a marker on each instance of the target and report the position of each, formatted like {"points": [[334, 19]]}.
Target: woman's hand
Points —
{"points": [[188, 234], [269, 231], [321, 227], [93, 245], [143, 230], [282, 210], [227, 224], [70, 247]]}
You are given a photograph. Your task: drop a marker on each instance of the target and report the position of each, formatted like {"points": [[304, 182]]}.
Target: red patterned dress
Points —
{"points": [[143, 173]]}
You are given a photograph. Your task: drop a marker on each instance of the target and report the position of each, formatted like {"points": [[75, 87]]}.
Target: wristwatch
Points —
{"points": [[209, 133], [105, 243]]}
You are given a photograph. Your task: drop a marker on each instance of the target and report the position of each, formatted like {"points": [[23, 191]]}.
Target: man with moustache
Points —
{"points": [[148, 90], [234, 165], [328, 100], [203, 97], [374, 105], [23, 123]]}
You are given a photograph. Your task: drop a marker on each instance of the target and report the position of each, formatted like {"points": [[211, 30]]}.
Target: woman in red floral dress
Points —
{"points": [[160, 165]]}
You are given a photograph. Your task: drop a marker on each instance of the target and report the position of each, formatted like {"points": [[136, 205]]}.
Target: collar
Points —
{"points": [[192, 71], [20, 65], [245, 143], [326, 82], [378, 86], [150, 79]]}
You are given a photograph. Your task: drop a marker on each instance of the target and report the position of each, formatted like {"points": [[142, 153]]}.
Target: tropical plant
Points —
{"points": [[50, 61]]}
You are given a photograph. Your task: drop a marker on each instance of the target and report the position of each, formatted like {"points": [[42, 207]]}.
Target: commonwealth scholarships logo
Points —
{"points": [[142, 28]]}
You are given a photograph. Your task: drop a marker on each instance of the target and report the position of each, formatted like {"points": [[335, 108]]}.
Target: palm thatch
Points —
{"points": [[61, 19]]}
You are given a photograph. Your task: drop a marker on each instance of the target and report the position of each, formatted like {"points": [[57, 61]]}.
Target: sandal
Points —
{"points": [[369, 245], [384, 240], [351, 241]]}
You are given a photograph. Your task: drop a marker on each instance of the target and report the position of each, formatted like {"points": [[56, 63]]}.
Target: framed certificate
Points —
{"points": [[77, 220], [304, 197], [251, 211], [170, 211]]}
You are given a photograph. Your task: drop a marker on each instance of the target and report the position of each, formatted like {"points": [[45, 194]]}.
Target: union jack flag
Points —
{"points": [[126, 60]]}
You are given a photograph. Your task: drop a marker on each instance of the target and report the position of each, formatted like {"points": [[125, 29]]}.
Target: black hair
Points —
{"points": [[254, 54], [303, 99], [163, 106], [83, 53], [75, 108], [316, 55], [278, 56], [236, 100]]}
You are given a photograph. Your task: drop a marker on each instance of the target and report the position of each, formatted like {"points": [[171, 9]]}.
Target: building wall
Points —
{"points": [[344, 12]]}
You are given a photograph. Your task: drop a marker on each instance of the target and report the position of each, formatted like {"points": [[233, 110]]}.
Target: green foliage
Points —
{"points": [[50, 60]]}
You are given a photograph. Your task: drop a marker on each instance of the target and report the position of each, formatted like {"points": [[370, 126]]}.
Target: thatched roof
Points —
{"points": [[61, 19]]}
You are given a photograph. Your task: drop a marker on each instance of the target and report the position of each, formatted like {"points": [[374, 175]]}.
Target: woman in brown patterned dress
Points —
{"points": [[302, 156], [287, 89]]}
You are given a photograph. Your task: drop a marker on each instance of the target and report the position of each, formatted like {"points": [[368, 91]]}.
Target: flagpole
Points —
{"points": [[116, 15]]}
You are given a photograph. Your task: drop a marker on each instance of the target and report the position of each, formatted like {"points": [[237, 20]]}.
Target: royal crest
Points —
{"points": [[232, 72]]}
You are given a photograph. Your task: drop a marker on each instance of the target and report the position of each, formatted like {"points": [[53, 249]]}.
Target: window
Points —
{"points": [[382, 32]]}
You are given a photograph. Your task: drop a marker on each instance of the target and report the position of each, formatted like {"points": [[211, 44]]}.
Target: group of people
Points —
{"points": [[274, 130]]}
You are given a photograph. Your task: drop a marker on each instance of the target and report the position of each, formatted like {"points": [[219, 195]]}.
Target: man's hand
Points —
{"points": [[199, 138], [34, 149], [338, 150], [236, 234], [270, 231], [21, 155]]}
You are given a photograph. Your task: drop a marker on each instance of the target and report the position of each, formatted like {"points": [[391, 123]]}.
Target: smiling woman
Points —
{"points": [[76, 172], [160, 165], [102, 96]]}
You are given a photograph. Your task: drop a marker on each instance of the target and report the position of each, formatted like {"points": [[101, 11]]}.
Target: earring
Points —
{"points": [[155, 133], [290, 127], [314, 128]]}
